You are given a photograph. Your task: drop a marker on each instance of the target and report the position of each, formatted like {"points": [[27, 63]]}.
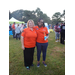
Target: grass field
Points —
{"points": [[55, 59]]}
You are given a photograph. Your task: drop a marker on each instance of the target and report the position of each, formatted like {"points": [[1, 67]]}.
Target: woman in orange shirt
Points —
{"points": [[28, 40], [42, 41]]}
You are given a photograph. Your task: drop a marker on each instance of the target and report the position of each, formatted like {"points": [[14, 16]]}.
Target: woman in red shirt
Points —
{"points": [[28, 40], [42, 41]]}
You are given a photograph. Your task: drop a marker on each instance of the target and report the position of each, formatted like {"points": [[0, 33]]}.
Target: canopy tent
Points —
{"points": [[12, 20]]}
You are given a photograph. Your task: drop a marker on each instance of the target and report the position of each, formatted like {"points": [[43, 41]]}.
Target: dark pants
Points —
{"points": [[28, 56], [42, 46], [62, 38], [18, 36], [13, 33]]}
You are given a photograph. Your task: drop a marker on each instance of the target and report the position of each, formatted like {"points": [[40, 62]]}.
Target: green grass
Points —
{"points": [[55, 59]]}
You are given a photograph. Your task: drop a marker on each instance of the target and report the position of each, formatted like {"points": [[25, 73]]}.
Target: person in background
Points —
{"points": [[10, 27], [62, 32], [28, 40], [17, 31], [57, 30], [24, 27], [51, 27], [42, 41], [13, 29], [61, 24]]}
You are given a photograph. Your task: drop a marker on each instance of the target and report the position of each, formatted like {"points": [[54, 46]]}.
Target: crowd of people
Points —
{"points": [[36, 36], [17, 30], [60, 33]]}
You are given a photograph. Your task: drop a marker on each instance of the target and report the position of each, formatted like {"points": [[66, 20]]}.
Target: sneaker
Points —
{"points": [[27, 68], [44, 64], [56, 41], [38, 65]]}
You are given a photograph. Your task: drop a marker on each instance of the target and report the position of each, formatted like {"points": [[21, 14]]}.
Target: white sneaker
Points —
{"points": [[56, 41]]}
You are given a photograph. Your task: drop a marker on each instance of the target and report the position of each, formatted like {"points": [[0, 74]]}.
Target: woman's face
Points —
{"points": [[40, 23], [31, 24]]}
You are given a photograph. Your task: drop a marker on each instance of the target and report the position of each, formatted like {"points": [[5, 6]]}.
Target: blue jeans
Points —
{"points": [[43, 47], [56, 35]]}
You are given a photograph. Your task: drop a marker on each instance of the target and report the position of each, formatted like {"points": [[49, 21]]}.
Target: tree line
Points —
{"points": [[25, 15]]}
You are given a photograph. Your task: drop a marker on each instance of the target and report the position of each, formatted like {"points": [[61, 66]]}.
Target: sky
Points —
{"points": [[48, 7]]}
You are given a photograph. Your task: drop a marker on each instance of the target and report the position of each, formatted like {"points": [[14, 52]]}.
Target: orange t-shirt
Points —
{"points": [[29, 37], [40, 34], [13, 26]]}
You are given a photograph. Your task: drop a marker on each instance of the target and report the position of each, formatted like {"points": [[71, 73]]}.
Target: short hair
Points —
{"points": [[14, 22], [29, 21]]}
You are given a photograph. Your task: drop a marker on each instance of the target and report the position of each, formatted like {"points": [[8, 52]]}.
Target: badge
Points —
{"points": [[43, 29], [36, 28]]}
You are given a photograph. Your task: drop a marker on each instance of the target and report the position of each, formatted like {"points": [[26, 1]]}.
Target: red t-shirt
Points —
{"points": [[40, 34], [29, 37], [13, 26]]}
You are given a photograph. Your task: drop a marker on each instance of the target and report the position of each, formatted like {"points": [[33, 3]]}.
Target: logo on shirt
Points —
{"points": [[43, 29], [36, 28]]}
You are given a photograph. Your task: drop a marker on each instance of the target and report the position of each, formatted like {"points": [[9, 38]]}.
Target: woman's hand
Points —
{"points": [[23, 47]]}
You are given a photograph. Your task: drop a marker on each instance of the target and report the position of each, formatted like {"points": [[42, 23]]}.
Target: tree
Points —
{"points": [[63, 15], [25, 15], [18, 14], [56, 18], [57, 15], [40, 14], [9, 15]]}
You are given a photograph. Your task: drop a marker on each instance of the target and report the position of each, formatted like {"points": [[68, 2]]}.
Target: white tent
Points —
{"points": [[14, 20]]}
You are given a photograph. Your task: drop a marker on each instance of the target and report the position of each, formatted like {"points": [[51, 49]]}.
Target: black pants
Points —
{"points": [[18, 36], [28, 56], [13, 33], [62, 38]]}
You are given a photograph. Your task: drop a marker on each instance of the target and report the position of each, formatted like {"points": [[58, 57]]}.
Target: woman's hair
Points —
{"points": [[29, 21], [17, 25], [39, 21]]}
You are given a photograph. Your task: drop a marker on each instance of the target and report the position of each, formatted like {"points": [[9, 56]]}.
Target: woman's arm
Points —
{"points": [[47, 36], [22, 42]]}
